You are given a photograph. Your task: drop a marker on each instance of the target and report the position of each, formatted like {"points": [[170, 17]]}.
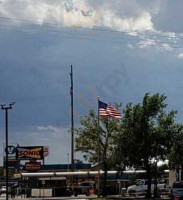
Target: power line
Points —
{"points": [[33, 124], [94, 39], [79, 34], [44, 97], [20, 99], [90, 29]]}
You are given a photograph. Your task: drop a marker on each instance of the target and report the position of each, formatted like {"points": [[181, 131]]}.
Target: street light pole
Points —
{"points": [[6, 108]]}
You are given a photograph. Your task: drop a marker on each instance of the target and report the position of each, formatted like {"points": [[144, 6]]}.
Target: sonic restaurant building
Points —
{"points": [[28, 168], [57, 177]]}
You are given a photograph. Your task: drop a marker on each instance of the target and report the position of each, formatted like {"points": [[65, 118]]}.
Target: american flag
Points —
{"points": [[106, 110]]}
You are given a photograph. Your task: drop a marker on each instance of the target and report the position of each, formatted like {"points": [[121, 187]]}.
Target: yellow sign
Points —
{"points": [[27, 153]]}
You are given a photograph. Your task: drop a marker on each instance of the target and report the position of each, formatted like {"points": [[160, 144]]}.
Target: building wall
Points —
{"points": [[172, 177]]}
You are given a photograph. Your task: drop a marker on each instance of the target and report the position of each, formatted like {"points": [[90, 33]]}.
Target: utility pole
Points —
{"points": [[72, 121], [6, 108], [98, 132]]}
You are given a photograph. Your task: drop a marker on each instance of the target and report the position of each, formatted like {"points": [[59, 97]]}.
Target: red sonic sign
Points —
{"points": [[45, 151], [32, 166], [29, 153]]}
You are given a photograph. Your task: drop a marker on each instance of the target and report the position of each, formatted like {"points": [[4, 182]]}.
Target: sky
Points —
{"points": [[119, 50]]}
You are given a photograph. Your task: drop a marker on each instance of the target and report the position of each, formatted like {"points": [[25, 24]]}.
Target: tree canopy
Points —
{"points": [[88, 142], [93, 139], [147, 133]]}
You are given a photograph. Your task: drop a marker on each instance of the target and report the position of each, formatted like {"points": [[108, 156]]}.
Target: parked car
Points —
{"points": [[84, 188], [3, 189], [177, 190], [62, 192], [141, 187]]}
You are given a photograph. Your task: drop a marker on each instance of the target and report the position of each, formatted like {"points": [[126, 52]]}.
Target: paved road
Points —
{"points": [[79, 197]]}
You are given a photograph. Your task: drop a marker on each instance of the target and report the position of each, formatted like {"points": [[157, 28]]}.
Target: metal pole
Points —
{"points": [[72, 121], [6, 122], [98, 130], [72, 129], [6, 108], [68, 162]]}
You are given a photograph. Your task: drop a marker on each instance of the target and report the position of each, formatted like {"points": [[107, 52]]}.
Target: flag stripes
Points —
{"points": [[106, 110]]}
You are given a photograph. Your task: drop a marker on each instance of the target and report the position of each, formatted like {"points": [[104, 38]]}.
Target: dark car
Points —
{"points": [[84, 188], [177, 190]]}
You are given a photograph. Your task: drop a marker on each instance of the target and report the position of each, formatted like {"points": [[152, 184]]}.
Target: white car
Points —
{"points": [[3, 189], [141, 187]]}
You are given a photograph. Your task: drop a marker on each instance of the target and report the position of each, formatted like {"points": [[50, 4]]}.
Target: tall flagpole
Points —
{"points": [[72, 128], [98, 130], [72, 122]]}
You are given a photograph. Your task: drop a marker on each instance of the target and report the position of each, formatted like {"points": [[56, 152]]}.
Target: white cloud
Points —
{"points": [[56, 138], [126, 16], [48, 131], [131, 17], [127, 23], [180, 56], [166, 47], [146, 43], [130, 46], [149, 43], [78, 13]]}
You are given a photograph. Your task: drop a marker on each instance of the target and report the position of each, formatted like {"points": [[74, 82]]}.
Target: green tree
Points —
{"points": [[175, 156], [144, 135], [88, 142]]}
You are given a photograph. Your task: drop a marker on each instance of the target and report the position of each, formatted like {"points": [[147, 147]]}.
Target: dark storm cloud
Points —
{"points": [[34, 68], [169, 17]]}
